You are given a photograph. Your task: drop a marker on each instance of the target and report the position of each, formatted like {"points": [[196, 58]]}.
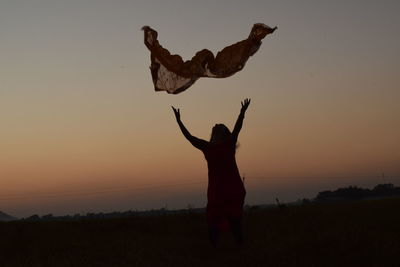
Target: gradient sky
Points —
{"points": [[82, 130]]}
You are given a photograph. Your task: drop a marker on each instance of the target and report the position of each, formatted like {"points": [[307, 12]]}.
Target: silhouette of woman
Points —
{"points": [[226, 192]]}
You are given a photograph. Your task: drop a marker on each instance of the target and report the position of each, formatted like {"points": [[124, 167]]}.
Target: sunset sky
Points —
{"points": [[82, 130]]}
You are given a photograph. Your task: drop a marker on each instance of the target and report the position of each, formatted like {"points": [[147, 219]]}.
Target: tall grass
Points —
{"points": [[348, 234]]}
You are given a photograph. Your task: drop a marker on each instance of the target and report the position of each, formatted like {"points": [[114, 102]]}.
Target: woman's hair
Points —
{"points": [[220, 133]]}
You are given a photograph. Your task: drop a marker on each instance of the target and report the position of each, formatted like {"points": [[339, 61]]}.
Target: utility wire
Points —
{"points": [[91, 193], [145, 188]]}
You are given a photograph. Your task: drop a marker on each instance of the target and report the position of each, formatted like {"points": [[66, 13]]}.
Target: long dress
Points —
{"points": [[226, 192]]}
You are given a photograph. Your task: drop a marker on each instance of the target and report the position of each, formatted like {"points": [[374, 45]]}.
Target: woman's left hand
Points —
{"points": [[245, 105]]}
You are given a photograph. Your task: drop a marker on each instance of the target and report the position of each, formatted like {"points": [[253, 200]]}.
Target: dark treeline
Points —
{"points": [[358, 193], [111, 215], [351, 193]]}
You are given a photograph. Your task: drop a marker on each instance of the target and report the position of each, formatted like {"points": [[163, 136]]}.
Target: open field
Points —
{"points": [[343, 234]]}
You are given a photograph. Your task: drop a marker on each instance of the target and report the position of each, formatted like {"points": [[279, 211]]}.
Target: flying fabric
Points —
{"points": [[170, 73]]}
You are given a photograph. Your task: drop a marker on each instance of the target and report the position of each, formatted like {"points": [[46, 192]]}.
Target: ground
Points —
{"points": [[365, 233]]}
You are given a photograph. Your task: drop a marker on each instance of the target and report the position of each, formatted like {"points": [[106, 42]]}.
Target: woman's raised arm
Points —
{"points": [[239, 121], [196, 142]]}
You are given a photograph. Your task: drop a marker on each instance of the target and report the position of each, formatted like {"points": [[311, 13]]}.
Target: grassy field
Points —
{"points": [[353, 234]]}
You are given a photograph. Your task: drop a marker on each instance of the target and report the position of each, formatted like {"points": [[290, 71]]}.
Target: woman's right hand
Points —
{"points": [[177, 113]]}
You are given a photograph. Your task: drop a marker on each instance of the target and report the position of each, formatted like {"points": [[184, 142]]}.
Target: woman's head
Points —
{"points": [[220, 133]]}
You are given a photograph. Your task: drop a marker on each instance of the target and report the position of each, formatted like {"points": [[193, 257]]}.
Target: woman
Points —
{"points": [[226, 192]]}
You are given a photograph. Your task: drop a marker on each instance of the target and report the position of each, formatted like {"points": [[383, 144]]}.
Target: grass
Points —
{"points": [[343, 234]]}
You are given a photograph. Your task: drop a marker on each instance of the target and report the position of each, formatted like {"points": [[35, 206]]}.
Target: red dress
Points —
{"points": [[226, 192]]}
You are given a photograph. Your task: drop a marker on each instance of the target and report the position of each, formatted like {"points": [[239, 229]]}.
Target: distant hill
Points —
{"points": [[5, 217]]}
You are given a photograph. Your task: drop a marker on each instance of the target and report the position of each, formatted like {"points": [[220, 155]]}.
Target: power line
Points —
{"points": [[75, 193], [313, 177], [91, 193]]}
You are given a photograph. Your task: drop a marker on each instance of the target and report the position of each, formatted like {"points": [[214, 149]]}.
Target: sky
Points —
{"points": [[82, 130]]}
